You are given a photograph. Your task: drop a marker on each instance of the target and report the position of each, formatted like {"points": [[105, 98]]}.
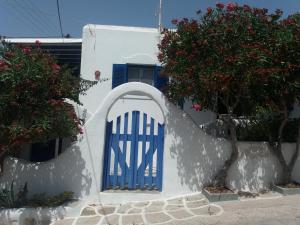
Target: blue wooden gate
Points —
{"points": [[137, 163]]}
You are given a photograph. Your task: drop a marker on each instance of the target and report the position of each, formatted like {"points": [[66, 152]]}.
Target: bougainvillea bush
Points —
{"points": [[221, 62], [280, 94], [33, 94]]}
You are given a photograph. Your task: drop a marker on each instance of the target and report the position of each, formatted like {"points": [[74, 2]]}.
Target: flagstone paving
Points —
{"points": [[148, 212]]}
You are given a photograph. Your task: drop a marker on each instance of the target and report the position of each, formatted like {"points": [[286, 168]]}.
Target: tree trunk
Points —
{"points": [[4, 150], [294, 157], [220, 178], [277, 150]]}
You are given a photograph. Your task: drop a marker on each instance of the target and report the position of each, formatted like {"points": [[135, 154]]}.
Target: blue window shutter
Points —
{"points": [[119, 75], [159, 81]]}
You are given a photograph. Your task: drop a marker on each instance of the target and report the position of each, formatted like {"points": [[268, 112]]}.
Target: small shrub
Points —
{"points": [[42, 200], [10, 199]]}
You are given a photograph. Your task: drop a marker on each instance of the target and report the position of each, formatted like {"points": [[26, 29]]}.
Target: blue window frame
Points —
{"points": [[123, 73]]}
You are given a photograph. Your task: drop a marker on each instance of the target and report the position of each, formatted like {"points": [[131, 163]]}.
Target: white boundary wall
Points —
{"points": [[191, 157]]}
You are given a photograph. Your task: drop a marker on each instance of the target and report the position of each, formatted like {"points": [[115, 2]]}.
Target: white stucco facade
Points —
{"points": [[190, 157]]}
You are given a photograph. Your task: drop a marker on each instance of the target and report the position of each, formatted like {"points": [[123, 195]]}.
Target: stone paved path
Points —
{"points": [[149, 212]]}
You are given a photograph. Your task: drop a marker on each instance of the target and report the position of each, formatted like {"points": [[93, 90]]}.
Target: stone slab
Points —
{"points": [[132, 219], [111, 220], [207, 210], [141, 204], [92, 220], [64, 222], [194, 197], [88, 211], [157, 218], [157, 203], [106, 210], [180, 214], [197, 204], [173, 207], [154, 209], [134, 211], [175, 201], [124, 208]]}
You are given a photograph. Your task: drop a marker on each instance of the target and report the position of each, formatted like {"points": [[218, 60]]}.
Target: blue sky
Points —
{"points": [[38, 18]]}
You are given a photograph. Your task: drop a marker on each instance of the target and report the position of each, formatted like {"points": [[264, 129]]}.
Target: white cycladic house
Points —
{"points": [[134, 138]]}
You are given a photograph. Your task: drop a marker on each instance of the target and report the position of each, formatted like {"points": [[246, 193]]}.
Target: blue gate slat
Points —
{"points": [[148, 137], [133, 176], [151, 150], [123, 162], [109, 139], [136, 148], [107, 155], [129, 137], [160, 147], [141, 170], [151, 182], [149, 154], [117, 150], [126, 137], [132, 150], [116, 160]]}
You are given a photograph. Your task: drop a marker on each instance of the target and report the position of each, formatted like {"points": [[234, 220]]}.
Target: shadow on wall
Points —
{"points": [[256, 168], [198, 155], [67, 172]]}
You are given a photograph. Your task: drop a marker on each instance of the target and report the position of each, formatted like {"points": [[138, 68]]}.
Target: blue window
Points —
{"points": [[123, 73]]}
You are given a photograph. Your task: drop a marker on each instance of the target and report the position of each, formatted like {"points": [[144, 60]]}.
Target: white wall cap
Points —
{"points": [[131, 88], [43, 40], [119, 28]]}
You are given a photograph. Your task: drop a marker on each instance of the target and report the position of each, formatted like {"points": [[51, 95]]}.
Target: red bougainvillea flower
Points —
{"points": [[231, 6], [247, 8], [55, 68], [8, 54], [220, 5], [197, 106], [209, 10], [3, 65], [26, 50], [174, 21], [38, 43]]}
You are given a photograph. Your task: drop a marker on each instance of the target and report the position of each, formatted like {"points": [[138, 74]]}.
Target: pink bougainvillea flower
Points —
{"points": [[231, 6], [2, 63], [209, 10], [174, 21], [55, 67], [8, 54], [247, 8], [220, 5], [197, 107], [26, 50], [38, 43]]}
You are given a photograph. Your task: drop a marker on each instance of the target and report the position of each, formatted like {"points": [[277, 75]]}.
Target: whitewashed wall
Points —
{"points": [[103, 46], [191, 157]]}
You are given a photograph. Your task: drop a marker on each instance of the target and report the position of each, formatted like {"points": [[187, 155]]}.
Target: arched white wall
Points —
{"points": [[191, 158]]}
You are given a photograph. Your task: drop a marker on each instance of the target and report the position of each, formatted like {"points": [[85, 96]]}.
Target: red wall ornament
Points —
{"points": [[97, 75]]}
